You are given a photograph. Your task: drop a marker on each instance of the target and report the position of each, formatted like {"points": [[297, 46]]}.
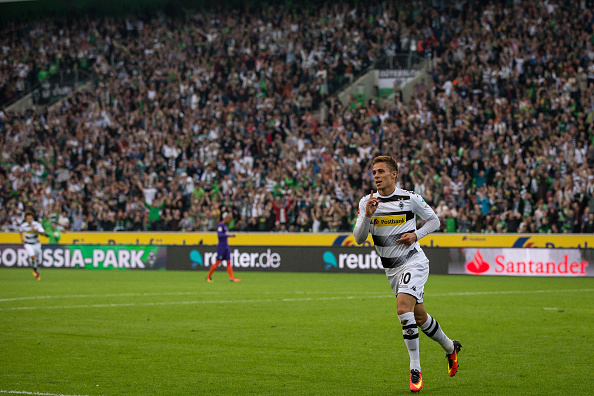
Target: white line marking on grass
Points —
{"points": [[509, 292], [11, 392], [159, 294], [550, 309], [267, 300], [97, 295]]}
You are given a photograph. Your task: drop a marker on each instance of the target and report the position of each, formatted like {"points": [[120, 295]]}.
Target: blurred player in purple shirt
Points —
{"points": [[223, 249]]}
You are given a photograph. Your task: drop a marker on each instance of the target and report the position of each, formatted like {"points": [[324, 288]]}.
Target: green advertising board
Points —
{"points": [[89, 256]]}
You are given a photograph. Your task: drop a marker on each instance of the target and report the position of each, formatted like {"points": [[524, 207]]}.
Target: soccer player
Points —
{"points": [[389, 215], [30, 231], [223, 249]]}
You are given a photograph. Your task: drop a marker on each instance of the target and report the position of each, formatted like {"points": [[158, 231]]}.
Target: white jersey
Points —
{"points": [[30, 231], [395, 215]]}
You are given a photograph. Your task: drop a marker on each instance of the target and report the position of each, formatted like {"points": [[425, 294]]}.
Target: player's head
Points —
{"points": [[385, 173], [28, 216], [227, 217]]}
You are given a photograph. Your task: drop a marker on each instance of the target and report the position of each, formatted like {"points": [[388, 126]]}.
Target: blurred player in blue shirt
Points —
{"points": [[223, 249]]}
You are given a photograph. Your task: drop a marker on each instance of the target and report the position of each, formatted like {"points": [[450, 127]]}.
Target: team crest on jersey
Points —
{"points": [[401, 204], [389, 221]]}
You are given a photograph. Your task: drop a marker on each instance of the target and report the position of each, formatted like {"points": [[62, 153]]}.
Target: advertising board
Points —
{"points": [[88, 256], [554, 241], [522, 262], [249, 258], [331, 259], [289, 259]]}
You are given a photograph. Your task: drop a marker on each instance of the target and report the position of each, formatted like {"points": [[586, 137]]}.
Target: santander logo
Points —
{"points": [[478, 265], [530, 262]]}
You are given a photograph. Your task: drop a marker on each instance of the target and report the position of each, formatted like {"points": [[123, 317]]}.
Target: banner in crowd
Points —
{"points": [[387, 79], [567, 241], [51, 92], [522, 262], [88, 256]]}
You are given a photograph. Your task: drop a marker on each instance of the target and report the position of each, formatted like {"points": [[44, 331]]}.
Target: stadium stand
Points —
{"points": [[216, 111]]}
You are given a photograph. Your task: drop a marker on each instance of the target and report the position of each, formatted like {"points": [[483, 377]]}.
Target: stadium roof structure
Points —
{"points": [[24, 10]]}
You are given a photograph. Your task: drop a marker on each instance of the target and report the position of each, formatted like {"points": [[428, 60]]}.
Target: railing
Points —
{"points": [[409, 61], [57, 85], [406, 61]]}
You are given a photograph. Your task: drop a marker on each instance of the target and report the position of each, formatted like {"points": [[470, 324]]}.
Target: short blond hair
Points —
{"points": [[392, 164]]}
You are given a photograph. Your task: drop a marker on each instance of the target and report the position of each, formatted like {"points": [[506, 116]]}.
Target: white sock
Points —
{"points": [[433, 330], [410, 333]]}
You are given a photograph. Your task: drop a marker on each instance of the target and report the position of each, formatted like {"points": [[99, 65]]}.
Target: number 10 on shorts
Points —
{"points": [[404, 278]]}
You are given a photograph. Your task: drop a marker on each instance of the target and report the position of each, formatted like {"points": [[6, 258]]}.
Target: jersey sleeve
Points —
{"points": [[422, 208], [39, 228], [361, 230]]}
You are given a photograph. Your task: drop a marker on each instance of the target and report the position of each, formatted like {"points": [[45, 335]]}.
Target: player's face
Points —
{"points": [[29, 219], [384, 178]]}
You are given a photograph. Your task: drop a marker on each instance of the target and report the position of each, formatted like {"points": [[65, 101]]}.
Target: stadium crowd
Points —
{"points": [[217, 113]]}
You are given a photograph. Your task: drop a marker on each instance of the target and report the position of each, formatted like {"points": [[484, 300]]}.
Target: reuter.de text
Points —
{"points": [[360, 261], [245, 260]]}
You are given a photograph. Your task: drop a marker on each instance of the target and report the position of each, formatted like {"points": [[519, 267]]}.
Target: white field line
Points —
{"points": [[12, 392], [269, 300], [263, 300], [158, 294], [97, 295]]}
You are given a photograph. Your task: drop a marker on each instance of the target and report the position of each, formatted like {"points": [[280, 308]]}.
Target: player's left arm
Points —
{"points": [[41, 231], [420, 207], [222, 233]]}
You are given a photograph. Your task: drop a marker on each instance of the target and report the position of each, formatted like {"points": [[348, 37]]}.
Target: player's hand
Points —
{"points": [[371, 205], [408, 238]]}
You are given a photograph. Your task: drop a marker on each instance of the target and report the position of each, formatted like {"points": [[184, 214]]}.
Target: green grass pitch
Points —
{"points": [[81, 332]]}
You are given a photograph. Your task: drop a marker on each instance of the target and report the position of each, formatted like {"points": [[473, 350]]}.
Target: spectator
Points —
{"points": [[155, 216], [499, 121]]}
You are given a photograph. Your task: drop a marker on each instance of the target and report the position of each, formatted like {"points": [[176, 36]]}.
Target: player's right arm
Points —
{"points": [[367, 207], [22, 231]]}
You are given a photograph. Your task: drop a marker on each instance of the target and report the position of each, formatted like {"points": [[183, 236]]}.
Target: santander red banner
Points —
{"points": [[523, 262]]}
